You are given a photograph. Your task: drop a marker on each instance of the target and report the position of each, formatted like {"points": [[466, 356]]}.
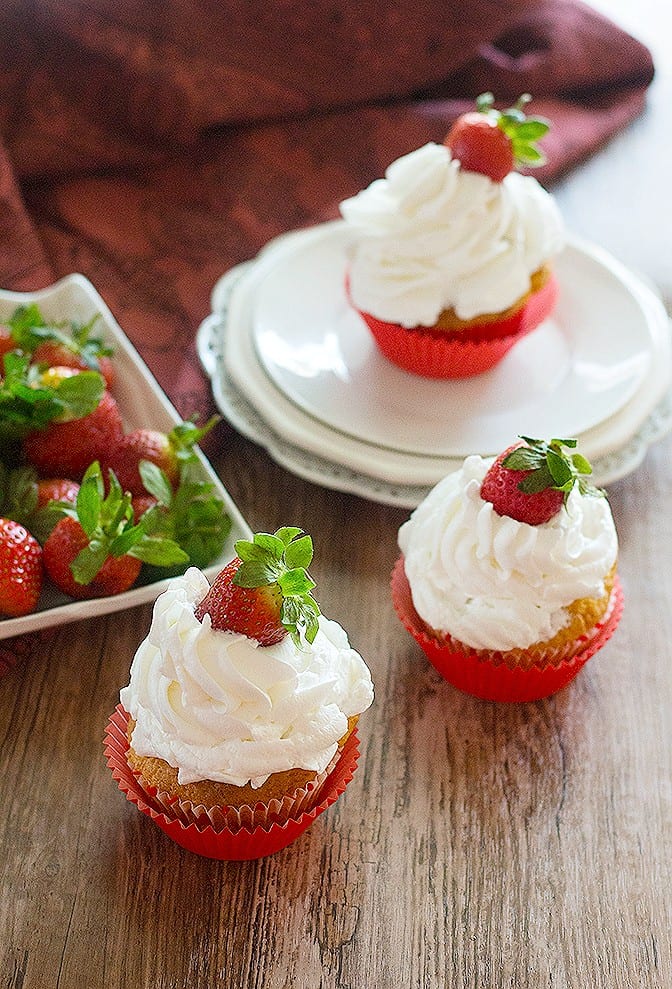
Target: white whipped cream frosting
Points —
{"points": [[431, 236], [216, 705], [492, 582]]}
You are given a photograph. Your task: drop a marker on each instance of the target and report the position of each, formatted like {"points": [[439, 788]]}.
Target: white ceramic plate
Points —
{"points": [[575, 371], [313, 449], [142, 403]]}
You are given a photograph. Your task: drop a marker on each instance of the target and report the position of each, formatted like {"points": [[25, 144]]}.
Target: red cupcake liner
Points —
{"points": [[252, 841], [434, 353], [482, 677]]}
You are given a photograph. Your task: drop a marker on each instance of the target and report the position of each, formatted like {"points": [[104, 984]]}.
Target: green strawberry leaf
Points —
{"points": [[158, 551], [295, 582], [89, 560], [88, 506], [523, 131], [156, 481], [278, 559], [299, 553], [184, 437], [80, 393]]}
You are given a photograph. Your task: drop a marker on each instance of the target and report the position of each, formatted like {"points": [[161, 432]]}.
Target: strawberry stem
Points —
{"points": [[282, 558]]}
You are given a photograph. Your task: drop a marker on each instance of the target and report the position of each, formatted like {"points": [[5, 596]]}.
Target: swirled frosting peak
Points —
{"points": [[492, 582], [431, 236], [216, 705]]}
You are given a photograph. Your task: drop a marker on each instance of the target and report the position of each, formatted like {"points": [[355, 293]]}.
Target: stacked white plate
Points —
{"points": [[295, 369]]}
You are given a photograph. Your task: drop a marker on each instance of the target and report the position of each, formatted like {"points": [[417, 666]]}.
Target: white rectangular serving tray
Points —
{"points": [[142, 403]]}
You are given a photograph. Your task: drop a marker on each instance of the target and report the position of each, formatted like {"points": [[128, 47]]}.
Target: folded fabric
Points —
{"points": [[116, 84]]}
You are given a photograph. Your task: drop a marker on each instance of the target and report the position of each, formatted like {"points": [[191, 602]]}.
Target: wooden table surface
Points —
{"points": [[479, 845]]}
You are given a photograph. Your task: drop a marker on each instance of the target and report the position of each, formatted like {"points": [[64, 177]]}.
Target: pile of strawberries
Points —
{"points": [[83, 503]]}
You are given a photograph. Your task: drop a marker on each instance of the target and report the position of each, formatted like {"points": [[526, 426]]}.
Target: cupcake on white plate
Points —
{"points": [[452, 254]]}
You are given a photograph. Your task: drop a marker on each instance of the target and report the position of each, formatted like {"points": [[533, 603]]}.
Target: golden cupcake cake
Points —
{"points": [[451, 260], [507, 574], [241, 710]]}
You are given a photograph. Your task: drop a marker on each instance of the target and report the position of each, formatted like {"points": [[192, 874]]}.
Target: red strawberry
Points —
{"points": [[141, 444], [96, 549], [56, 489], [7, 342], [65, 449], [264, 592], [142, 504], [54, 353], [20, 569], [64, 544], [530, 482], [492, 143], [165, 450]]}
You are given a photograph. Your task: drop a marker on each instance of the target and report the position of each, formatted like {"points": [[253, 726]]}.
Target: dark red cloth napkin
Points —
{"points": [[152, 146]]}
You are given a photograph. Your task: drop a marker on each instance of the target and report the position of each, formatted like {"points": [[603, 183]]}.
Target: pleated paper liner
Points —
{"points": [[249, 833], [460, 354], [485, 677]]}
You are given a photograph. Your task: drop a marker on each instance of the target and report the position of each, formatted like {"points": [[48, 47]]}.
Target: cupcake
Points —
{"points": [[507, 575], [451, 255], [238, 724]]}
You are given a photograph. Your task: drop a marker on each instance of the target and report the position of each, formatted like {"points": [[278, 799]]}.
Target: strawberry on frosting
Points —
{"points": [[497, 567], [441, 234]]}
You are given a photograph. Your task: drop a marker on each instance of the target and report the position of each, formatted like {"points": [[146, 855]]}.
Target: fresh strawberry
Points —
{"points": [[31, 398], [56, 353], [141, 444], [531, 481], [56, 489], [96, 550], [7, 342], [66, 449], [20, 569], [166, 450], [69, 346], [493, 142], [264, 592], [64, 545]]}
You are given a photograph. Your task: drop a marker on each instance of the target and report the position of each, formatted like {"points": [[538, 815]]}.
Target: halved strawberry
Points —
{"points": [[264, 592], [20, 569], [493, 142], [531, 481]]}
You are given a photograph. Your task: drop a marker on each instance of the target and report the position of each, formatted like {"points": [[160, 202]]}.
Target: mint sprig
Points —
{"points": [[550, 467], [282, 558], [524, 132]]}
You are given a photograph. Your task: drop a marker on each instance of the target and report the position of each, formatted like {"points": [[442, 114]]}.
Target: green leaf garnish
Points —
{"points": [[281, 558], [523, 131], [550, 467]]}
